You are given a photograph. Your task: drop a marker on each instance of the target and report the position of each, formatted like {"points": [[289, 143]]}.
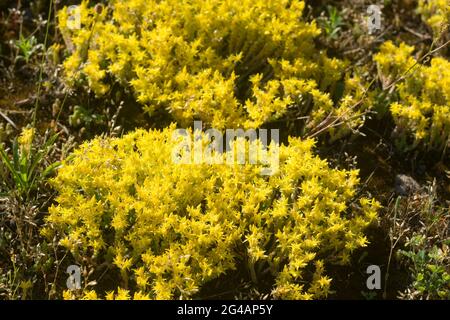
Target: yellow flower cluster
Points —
{"points": [[122, 294], [239, 63], [170, 228], [26, 140], [422, 112], [436, 13]]}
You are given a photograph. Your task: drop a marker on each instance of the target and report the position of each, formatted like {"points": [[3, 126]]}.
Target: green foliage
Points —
{"points": [[333, 24], [27, 47], [429, 268], [25, 164], [25, 257], [425, 225], [82, 116]]}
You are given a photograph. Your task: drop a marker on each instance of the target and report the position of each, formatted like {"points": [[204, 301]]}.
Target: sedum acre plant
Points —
{"points": [[436, 13], [239, 63], [121, 294], [422, 112], [169, 228]]}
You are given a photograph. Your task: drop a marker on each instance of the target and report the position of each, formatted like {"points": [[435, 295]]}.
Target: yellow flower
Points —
{"points": [[324, 282], [26, 139], [90, 295], [421, 112], [122, 294], [68, 295]]}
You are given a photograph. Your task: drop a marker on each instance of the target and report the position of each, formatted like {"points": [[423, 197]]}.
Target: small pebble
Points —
{"points": [[406, 185]]}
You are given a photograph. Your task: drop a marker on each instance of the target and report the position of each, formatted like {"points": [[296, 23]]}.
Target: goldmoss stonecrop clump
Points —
{"points": [[436, 13], [422, 110], [239, 63], [169, 228]]}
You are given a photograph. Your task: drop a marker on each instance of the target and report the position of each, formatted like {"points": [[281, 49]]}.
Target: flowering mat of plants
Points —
{"points": [[100, 199]]}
